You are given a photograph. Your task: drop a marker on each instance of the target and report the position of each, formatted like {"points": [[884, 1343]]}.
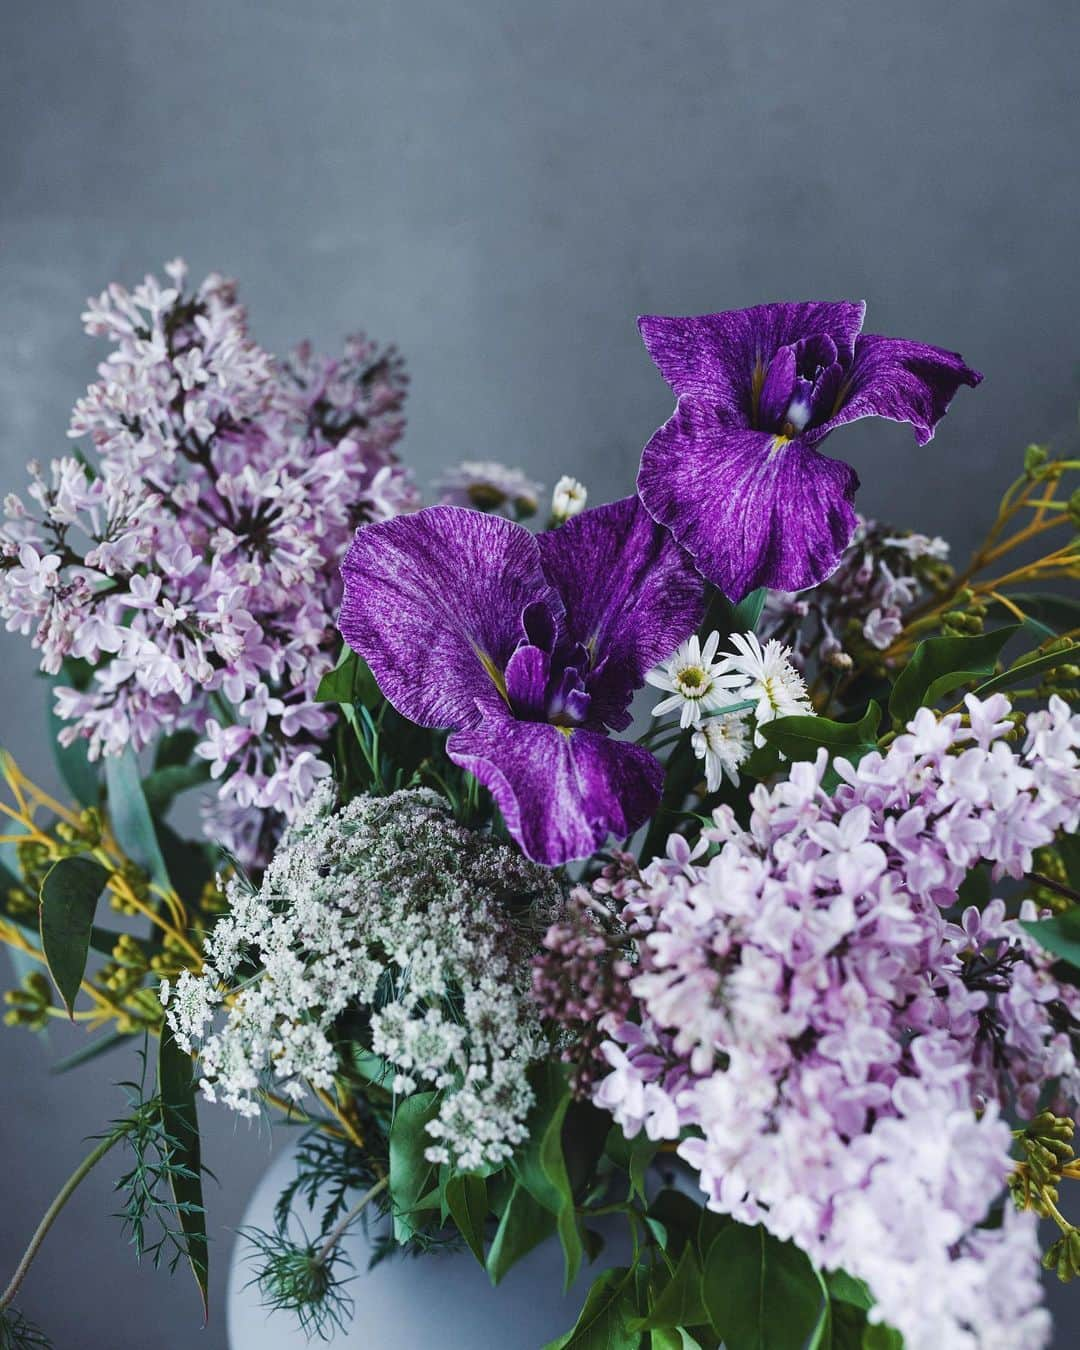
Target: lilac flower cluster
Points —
{"points": [[833, 1050], [194, 567], [883, 573]]}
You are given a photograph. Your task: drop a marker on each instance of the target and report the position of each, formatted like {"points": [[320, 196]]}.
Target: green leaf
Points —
{"points": [[845, 1288], [877, 1336], [1060, 934], [679, 1301], [176, 748], [674, 1220], [633, 1156], [762, 1294], [748, 611], [605, 1320], [179, 1119], [91, 1050], [81, 777], [467, 1202], [161, 787], [410, 1172], [1068, 850], [541, 1166], [672, 1338], [800, 738], [350, 681], [940, 665], [1060, 613], [69, 896], [130, 816], [1023, 669], [524, 1224]]}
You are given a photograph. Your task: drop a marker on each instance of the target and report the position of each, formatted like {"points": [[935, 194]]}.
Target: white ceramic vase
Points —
{"points": [[441, 1300]]}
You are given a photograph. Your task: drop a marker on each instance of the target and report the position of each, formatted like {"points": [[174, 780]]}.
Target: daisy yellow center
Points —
{"points": [[693, 682]]}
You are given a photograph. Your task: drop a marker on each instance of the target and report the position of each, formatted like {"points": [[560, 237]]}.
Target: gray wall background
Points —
{"points": [[501, 188]]}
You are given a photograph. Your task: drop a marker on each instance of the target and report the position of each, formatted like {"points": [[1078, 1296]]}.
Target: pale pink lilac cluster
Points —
{"points": [[882, 575], [834, 1050], [194, 563]]}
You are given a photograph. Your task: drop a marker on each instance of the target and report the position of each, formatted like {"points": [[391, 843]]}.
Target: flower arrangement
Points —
{"points": [[781, 971]]}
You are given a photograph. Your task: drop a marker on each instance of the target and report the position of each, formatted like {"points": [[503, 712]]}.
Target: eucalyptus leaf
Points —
{"points": [[81, 777], [130, 816], [761, 1294], [940, 665], [164, 785], [69, 896], [1060, 613], [179, 1119], [1022, 670]]}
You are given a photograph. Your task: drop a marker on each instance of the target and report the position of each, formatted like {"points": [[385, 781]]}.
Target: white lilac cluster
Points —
{"points": [[191, 559], [716, 697], [838, 1042], [422, 931], [881, 576]]}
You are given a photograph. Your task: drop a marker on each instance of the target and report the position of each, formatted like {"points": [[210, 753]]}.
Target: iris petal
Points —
{"points": [[631, 595], [753, 509], [433, 603], [903, 381], [562, 792]]}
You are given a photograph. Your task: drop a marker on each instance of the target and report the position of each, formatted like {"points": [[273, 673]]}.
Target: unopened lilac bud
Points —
{"points": [[568, 499]]}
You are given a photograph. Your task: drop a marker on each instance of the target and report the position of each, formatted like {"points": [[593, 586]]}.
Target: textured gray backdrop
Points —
{"points": [[500, 188]]}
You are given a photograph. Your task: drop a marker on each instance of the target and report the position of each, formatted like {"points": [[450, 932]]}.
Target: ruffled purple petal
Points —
{"points": [[561, 793], [724, 358], [434, 602], [630, 593], [903, 381], [753, 509]]}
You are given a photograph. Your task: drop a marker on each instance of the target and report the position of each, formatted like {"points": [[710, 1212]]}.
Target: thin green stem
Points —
{"points": [[49, 1218], [337, 1232]]}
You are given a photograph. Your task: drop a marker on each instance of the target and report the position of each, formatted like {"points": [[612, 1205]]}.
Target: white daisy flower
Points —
{"points": [[723, 743], [696, 682], [770, 678]]}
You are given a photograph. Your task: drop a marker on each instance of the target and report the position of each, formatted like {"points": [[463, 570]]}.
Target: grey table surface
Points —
{"points": [[501, 188]]}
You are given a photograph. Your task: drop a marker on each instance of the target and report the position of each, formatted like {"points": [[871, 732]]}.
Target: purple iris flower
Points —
{"points": [[735, 473], [530, 647]]}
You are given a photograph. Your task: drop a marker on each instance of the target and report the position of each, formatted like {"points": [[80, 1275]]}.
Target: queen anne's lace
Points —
{"points": [[838, 1049], [420, 930], [194, 567]]}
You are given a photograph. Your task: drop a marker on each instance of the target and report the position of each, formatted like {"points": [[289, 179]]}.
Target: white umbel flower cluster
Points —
{"points": [[418, 929]]}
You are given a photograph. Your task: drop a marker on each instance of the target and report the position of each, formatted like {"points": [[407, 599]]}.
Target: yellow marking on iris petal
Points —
{"points": [[566, 731], [778, 443], [757, 382], [494, 673]]}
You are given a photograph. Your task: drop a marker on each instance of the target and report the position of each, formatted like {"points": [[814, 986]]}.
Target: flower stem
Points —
{"points": [[62, 1197], [337, 1232]]}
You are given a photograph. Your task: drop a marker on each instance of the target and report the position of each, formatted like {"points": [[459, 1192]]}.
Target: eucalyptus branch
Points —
{"points": [[52, 1213], [1051, 885]]}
